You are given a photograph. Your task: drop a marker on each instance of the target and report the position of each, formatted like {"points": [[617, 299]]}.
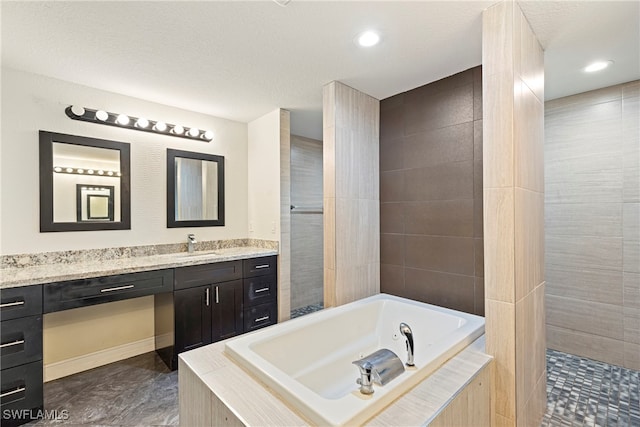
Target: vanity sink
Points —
{"points": [[195, 254]]}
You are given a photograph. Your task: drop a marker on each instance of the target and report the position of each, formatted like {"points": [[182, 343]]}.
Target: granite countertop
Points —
{"points": [[47, 273]]}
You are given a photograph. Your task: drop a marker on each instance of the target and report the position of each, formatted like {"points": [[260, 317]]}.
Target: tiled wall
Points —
{"points": [[431, 193], [592, 224], [306, 222]]}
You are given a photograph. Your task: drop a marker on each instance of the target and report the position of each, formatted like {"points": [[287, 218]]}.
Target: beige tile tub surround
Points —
{"points": [[213, 392], [513, 184], [592, 224], [350, 194]]}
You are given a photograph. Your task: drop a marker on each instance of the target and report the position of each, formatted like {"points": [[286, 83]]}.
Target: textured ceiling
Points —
{"points": [[240, 60]]}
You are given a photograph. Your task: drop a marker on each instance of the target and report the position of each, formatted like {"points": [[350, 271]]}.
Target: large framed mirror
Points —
{"points": [[84, 183], [195, 189]]}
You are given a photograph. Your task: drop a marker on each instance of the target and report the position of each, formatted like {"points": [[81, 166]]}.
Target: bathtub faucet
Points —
{"points": [[406, 331], [380, 367]]}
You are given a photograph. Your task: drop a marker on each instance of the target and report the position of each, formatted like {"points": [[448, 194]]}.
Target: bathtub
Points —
{"points": [[307, 361]]}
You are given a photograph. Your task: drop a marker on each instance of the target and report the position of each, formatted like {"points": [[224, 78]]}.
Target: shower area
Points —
{"points": [[306, 226]]}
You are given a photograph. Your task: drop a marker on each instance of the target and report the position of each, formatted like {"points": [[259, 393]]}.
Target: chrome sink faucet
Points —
{"points": [[191, 240], [406, 331]]}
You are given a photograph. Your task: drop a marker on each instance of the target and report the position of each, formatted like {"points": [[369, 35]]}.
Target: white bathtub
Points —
{"points": [[307, 361]]}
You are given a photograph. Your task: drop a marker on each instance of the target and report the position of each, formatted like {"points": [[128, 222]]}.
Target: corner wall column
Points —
{"points": [[351, 196], [513, 184]]}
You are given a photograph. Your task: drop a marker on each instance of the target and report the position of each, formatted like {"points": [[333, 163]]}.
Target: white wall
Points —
{"points": [[264, 177], [31, 103]]}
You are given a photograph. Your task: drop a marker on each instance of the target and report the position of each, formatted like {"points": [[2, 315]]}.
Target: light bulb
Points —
{"points": [[119, 174], [80, 170], [368, 39], [208, 135], [178, 130], [110, 173], [142, 122], [102, 115], [194, 132], [57, 169], [123, 119], [69, 170], [597, 66], [77, 110], [90, 171], [100, 172], [160, 126]]}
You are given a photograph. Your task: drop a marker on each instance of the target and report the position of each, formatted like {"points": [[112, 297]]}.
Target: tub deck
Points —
{"points": [[216, 391]]}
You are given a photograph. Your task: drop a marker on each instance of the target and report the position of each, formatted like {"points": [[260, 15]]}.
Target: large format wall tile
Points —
{"points": [[585, 316], [586, 284], [445, 289], [631, 289], [578, 252], [441, 109], [436, 146], [440, 218], [450, 254], [583, 219], [596, 347], [440, 182]]}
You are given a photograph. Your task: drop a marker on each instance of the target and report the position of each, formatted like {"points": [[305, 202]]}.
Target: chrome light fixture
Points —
{"points": [[102, 117]]}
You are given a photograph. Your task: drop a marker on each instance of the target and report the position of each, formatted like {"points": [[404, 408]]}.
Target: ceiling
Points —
{"points": [[240, 60]]}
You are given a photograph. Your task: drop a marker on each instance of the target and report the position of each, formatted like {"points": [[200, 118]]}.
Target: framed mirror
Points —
{"points": [[84, 183], [195, 189]]}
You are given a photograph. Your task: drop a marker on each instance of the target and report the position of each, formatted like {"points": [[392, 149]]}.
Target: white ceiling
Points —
{"points": [[239, 59]]}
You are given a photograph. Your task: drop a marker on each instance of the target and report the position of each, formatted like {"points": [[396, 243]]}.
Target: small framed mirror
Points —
{"points": [[84, 183], [195, 189]]}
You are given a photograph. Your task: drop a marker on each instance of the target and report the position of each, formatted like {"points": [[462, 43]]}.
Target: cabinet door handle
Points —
{"points": [[260, 319], [11, 304], [11, 344], [258, 267], [118, 288], [257, 291], [9, 393], [217, 296], [206, 295]]}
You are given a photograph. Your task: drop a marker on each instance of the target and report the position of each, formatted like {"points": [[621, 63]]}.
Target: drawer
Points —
{"points": [[262, 266], [258, 290], [85, 292], [207, 274], [260, 316], [21, 341], [20, 302], [21, 389]]}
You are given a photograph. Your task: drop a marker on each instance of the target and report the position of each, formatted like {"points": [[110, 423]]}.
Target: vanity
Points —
{"points": [[199, 298]]}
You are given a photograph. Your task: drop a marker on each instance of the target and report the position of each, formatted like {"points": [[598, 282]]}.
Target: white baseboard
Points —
{"points": [[56, 370]]}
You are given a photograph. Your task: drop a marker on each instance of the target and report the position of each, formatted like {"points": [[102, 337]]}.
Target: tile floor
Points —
{"points": [[305, 310], [141, 391], [585, 392]]}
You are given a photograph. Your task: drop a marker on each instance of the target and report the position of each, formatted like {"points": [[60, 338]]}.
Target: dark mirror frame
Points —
{"points": [[171, 189], [46, 183]]}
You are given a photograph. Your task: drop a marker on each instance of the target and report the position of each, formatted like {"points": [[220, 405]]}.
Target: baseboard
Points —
{"points": [[56, 370]]}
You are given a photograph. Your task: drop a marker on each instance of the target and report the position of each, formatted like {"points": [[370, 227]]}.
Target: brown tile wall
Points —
{"points": [[431, 246]]}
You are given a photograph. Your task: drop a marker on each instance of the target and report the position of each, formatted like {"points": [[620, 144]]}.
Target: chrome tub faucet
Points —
{"points": [[406, 331], [380, 367]]}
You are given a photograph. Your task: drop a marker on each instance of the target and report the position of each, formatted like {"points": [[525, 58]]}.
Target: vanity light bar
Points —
{"points": [[136, 123], [86, 171]]}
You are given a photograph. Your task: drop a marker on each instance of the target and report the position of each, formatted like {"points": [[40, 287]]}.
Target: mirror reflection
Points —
{"points": [[195, 189], [84, 183]]}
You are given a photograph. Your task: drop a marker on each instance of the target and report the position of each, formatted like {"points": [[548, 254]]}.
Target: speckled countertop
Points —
{"points": [[46, 273]]}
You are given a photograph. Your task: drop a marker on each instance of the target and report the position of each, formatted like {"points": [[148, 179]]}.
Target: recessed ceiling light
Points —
{"points": [[368, 39], [597, 66]]}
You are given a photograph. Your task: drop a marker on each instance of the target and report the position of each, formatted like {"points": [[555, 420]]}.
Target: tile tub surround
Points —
{"points": [[31, 269], [592, 224], [207, 377], [431, 193]]}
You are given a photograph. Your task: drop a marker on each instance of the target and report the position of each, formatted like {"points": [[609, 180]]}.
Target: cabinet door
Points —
{"points": [[227, 310], [193, 318]]}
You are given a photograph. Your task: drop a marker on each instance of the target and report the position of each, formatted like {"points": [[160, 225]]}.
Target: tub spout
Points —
{"points": [[406, 331], [380, 367]]}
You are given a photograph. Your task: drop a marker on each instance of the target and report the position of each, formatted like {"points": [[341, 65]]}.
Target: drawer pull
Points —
{"points": [[118, 288], [257, 291], [11, 304], [206, 296], [258, 267], [11, 344], [217, 296], [260, 319], [9, 393]]}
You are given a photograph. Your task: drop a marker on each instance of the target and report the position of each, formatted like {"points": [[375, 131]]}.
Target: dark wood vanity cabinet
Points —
{"points": [[213, 302], [21, 393]]}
